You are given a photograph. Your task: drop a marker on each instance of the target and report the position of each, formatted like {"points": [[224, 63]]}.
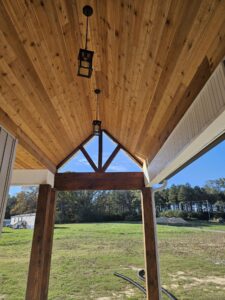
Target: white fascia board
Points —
{"points": [[146, 174], [32, 177]]}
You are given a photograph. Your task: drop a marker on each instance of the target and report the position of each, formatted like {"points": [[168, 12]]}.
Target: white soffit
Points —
{"points": [[32, 177], [202, 124]]}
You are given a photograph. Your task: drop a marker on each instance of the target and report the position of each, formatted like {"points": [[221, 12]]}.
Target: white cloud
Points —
{"points": [[117, 168], [83, 161]]}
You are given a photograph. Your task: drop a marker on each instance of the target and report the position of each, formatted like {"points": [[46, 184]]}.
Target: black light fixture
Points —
{"points": [[97, 123], [85, 56]]}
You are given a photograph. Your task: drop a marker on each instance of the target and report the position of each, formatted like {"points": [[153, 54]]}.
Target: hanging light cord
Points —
{"points": [[86, 41], [97, 108]]}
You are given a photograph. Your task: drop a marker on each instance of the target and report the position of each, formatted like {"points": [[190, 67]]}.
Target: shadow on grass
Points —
{"points": [[178, 225], [200, 223], [194, 224], [57, 227]]}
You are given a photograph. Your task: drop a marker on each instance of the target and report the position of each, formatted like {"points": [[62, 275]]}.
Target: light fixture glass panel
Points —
{"points": [[84, 72], [85, 64]]}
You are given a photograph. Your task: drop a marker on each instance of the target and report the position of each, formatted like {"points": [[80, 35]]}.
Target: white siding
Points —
{"points": [[7, 153], [28, 218]]}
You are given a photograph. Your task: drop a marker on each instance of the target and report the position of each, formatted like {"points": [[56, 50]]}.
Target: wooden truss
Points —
{"points": [[100, 168]]}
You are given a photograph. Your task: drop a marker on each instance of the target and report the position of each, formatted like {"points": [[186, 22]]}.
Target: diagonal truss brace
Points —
{"points": [[100, 168]]}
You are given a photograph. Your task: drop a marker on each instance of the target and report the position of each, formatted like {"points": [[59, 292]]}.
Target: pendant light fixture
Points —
{"points": [[97, 123], [85, 56]]}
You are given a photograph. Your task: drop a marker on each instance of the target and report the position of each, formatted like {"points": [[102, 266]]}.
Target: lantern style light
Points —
{"points": [[96, 127], [85, 56], [97, 123]]}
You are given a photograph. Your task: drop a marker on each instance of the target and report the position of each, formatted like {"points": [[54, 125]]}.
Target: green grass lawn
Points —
{"points": [[192, 261]]}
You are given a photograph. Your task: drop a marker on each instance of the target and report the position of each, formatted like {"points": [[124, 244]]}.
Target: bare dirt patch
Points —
{"points": [[209, 279], [134, 268], [195, 281], [129, 292]]}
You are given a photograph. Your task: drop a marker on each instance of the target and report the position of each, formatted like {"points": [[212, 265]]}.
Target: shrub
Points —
{"points": [[192, 215], [174, 213], [134, 217]]}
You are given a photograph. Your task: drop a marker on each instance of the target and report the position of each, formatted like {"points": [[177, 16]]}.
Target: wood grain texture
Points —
{"points": [[150, 246], [147, 54], [30, 156], [48, 243], [40, 260], [99, 181]]}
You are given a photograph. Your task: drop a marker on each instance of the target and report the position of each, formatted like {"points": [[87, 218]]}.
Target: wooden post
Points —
{"points": [[150, 246], [40, 260]]}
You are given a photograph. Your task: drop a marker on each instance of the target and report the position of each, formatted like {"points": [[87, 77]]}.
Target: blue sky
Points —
{"points": [[210, 166], [121, 163]]}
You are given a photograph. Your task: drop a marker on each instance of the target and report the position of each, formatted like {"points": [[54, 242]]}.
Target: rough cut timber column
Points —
{"points": [[7, 153], [40, 260], [150, 246]]}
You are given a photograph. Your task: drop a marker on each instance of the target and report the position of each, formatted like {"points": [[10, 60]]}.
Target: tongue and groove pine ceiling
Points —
{"points": [[151, 60]]}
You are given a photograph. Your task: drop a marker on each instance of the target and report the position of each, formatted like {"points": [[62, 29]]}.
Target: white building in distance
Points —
{"points": [[23, 221]]}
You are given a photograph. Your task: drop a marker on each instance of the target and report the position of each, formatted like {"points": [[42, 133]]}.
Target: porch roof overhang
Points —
{"points": [[152, 58]]}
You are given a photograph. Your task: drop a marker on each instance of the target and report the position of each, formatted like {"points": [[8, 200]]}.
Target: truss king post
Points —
{"points": [[100, 152], [40, 259], [150, 246]]}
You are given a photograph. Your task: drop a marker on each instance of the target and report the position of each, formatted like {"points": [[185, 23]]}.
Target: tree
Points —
{"points": [[215, 186], [199, 196], [26, 202], [162, 200], [182, 197], [173, 195], [10, 204]]}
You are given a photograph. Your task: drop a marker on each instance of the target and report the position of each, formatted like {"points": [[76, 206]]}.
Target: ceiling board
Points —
{"points": [[146, 56]]}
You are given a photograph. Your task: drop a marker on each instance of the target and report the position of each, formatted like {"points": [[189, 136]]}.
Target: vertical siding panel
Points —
{"points": [[4, 169], [3, 137], [7, 153]]}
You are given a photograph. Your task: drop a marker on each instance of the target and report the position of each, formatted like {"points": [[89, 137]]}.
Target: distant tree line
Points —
{"points": [[82, 206], [96, 206], [193, 202]]}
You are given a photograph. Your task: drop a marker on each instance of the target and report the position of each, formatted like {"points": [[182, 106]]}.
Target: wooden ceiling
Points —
{"points": [[151, 59]]}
